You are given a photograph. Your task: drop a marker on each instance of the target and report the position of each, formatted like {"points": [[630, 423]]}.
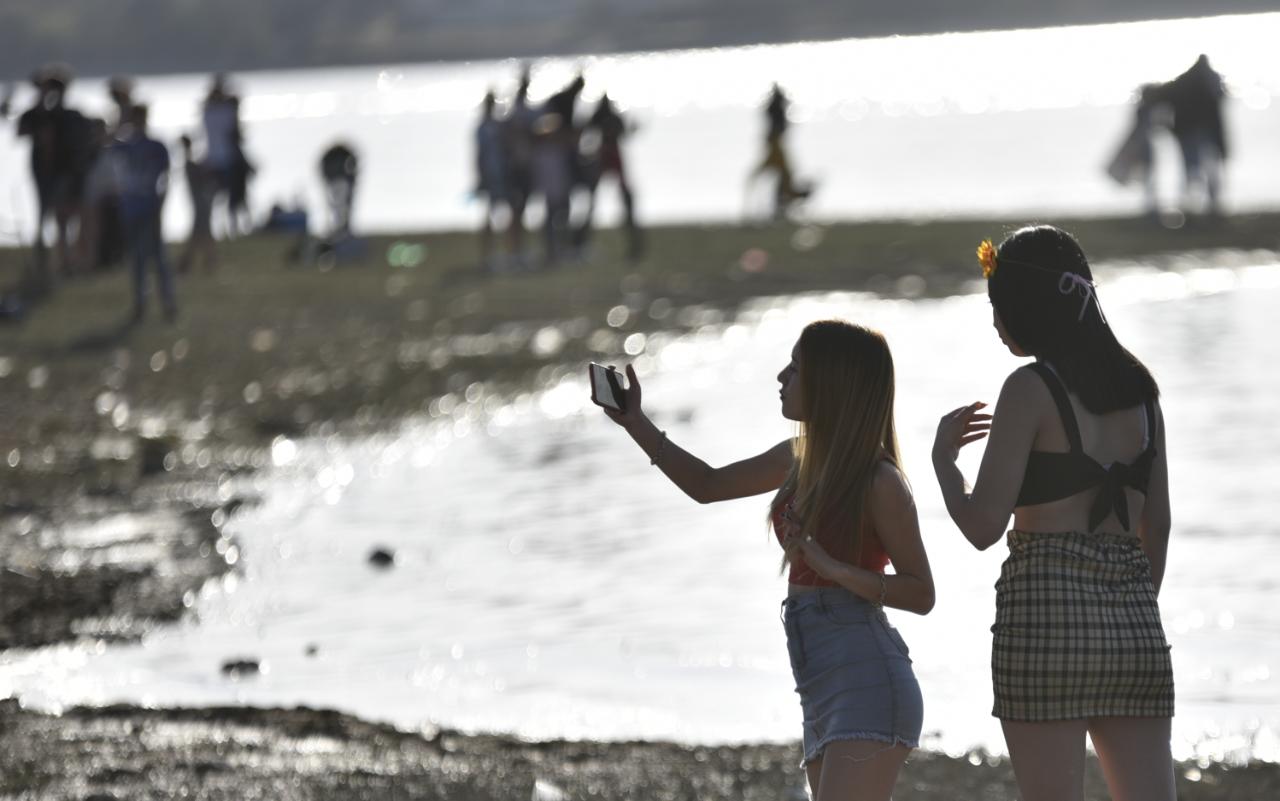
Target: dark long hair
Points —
{"points": [[1057, 319]]}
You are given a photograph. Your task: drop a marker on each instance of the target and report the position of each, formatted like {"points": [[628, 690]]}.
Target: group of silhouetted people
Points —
{"points": [[102, 182], [1190, 108], [543, 151]]}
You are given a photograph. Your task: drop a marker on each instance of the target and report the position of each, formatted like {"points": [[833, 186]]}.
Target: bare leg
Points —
{"points": [[813, 771], [860, 769], [1048, 758], [1135, 757]]}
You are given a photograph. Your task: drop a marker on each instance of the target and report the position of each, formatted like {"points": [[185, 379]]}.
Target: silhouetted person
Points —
{"points": [[339, 168], [120, 90], [609, 128], [143, 163], [1134, 162], [517, 137], [224, 150], [100, 240], [555, 165], [491, 175], [60, 148], [1196, 97], [202, 188], [786, 190]]}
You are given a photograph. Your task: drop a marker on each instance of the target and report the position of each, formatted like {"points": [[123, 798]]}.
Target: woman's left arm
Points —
{"points": [[893, 518], [982, 514], [1153, 528]]}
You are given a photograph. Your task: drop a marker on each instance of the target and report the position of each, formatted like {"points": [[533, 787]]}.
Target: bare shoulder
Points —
{"points": [[889, 487], [782, 453], [1024, 384]]}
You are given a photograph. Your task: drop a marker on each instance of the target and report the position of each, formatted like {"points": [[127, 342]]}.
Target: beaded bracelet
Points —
{"points": [[662, 444]]}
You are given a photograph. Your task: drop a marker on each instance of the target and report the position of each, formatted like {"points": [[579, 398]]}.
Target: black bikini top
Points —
{"points": [[1054, 476]]}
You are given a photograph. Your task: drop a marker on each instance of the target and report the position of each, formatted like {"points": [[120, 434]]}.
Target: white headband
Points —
{"points": [[1074, 282]]}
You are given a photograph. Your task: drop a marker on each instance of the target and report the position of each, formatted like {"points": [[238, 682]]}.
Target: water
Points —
{"points": [[1002, 123], [550, 583]]}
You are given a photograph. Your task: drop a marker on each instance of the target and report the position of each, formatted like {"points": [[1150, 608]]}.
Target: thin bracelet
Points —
{"points": [[880, 603], [662, 444]]}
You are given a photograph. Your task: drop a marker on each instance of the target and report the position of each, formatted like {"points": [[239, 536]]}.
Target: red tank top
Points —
{"points": [[870, 554]]}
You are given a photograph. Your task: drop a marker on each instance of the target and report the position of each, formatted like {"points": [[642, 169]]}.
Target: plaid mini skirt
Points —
{"points": [[1077, 631]]}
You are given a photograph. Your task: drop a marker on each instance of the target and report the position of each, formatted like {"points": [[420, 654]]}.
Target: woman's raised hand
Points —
{"points": [[631, 394], [958, 428]]}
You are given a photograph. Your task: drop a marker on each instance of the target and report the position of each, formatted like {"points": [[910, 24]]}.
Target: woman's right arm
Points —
{"points": [[700, 481]]}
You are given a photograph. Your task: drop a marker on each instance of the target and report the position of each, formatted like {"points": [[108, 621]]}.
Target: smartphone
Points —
{"points": [[606, 389]]}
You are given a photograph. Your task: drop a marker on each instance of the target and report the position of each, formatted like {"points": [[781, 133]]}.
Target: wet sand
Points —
{"points": [[149, 424]]}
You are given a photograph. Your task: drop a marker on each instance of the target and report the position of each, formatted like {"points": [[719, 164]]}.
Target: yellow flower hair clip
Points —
{"points": [[987, 258]]}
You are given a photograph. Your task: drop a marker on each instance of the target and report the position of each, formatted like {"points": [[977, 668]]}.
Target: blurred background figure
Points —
{"points": [[1134, 161], [202, 188], [339, 167], [491, 178], [224, 153], [99, 242], [602, 142], [143, 179], [517, 137], [786, 189], [1195, 98], [60, 147], [120, 90], [555, 166]]}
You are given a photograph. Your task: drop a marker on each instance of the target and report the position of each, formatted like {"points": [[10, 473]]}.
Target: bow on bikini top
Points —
{"points": [[1054, 476]]}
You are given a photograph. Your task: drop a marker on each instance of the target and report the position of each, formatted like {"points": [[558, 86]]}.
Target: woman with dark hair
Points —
{"points": [[1076, 454], [842, 511]]}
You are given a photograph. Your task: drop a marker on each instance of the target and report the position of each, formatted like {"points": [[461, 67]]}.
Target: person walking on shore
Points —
{"points": [[842, 510], [787, 190], [1196, 99], [1077, 455]]}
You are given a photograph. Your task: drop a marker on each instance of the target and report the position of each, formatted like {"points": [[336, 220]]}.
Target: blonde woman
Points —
{"points": [[842, 510]]}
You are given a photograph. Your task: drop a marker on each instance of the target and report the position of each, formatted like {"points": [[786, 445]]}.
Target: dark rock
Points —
{"points": [[152, 452], [239, 668]]}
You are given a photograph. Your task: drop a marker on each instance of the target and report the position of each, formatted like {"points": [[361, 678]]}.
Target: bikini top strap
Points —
{"points": [[1151, 421], [1060, 399]]}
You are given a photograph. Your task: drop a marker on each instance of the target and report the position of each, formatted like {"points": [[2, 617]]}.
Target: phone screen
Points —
{"points": [[603, 388]]}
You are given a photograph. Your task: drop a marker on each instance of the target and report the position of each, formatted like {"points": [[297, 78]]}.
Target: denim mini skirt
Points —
{"points": [[852, 672]]}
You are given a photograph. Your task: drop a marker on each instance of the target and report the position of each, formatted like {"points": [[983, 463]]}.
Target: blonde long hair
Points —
{"points": [[847, 387]]}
